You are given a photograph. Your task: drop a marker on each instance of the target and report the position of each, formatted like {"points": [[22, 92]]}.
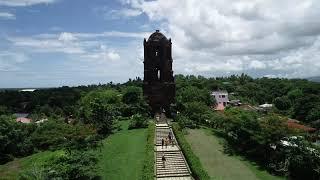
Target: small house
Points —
{"points": [[22, 117], [221, 98], [23, 120]]}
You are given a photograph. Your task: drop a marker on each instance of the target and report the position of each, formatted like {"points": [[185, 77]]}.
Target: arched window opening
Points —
{"points": [[158, 74]]}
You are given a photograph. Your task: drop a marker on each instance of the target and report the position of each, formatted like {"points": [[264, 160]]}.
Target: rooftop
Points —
{"points": [[219, 92]]}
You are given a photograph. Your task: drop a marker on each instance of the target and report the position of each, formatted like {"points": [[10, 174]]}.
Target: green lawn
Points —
{"points": [[12, 169], [123, 154], [121, 157], [219, 165]]}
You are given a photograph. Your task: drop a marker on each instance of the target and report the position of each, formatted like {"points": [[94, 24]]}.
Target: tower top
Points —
{"points": [[157, 36]]}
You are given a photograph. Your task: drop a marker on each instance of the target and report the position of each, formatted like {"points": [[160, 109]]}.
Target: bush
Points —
{"points": [[54, 134], [14, 139], [196, 111], [138, 121], [282, 103], [148, 164], [185, 122], [77, 165], [194, 162]]}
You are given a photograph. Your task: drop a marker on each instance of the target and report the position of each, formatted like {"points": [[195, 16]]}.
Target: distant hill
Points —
{"points": [[315, 78]]}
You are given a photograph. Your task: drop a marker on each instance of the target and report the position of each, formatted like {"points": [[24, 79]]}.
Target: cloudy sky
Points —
{"points": [[71, 42]]}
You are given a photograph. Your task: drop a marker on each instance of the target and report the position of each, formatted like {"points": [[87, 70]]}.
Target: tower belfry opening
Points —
{"points": [[158, 82], [159, 78]]}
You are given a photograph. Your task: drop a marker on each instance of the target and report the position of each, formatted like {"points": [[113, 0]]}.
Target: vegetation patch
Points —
{"points": [[138, 121], [13, 169], [148, 164], [195, 165], [77, 165]]}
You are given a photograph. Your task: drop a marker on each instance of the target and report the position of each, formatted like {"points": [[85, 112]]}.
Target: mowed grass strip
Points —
{"points": [[123, 154], [220, 165]]}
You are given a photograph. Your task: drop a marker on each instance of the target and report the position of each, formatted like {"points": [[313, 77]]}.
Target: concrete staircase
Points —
{"points": [[162, 133], [176, 167]]}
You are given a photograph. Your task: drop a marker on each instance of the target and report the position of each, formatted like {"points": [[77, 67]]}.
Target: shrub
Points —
{"points": [[77, 165], [194, 162], [185, 122], [282, 103], [54, 135], [14, 139], [148, 164], [138, 121]]}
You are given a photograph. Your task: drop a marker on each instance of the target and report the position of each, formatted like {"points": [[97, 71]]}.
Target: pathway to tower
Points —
{"points": [[176, 167]]}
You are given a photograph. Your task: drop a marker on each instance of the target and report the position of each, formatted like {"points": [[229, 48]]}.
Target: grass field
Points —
{"points": [[219, 165], [121, 157], [123, 154], [12, 169]]}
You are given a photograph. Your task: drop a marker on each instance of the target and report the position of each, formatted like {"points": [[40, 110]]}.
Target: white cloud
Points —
{"points": [[257, 64], [113, 56], [9, 61], [6, 15], [88, 46], [47, 45], [271, 36], [84, 46], [66, 36], [106, 34], [102, 56], [24, 2], [125, 13], [108, 13]]}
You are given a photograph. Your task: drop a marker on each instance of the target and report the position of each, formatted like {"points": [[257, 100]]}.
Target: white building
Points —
{"points": [[27, 90], [221, 97]]}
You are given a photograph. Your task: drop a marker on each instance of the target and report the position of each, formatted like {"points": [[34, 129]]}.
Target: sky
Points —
{"points": [[49, 43]]}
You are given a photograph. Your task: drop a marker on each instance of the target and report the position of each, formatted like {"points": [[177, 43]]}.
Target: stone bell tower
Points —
{"points": [[158, 82]]}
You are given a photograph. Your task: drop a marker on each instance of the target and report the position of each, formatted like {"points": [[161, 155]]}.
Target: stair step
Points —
{"points": [[175, 165], [172, 172], [173, 175]]}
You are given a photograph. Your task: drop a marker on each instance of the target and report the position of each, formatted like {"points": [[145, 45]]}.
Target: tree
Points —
{"points": [[4, 110], [77, 165], [194, 94], [138, 121], [282, 103], [132, 95], [304, 105], [104, 96], [196, 111], [133, 102], [294, 94], [55, 134], [102, 116], [14, 139], [314, 114]]}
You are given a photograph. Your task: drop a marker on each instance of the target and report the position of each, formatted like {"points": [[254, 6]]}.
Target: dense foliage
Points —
{"points": [[77, 165], [14, 139], [19, 139], [138, 121], [79, 116], [263, 138], [293, 97]]}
